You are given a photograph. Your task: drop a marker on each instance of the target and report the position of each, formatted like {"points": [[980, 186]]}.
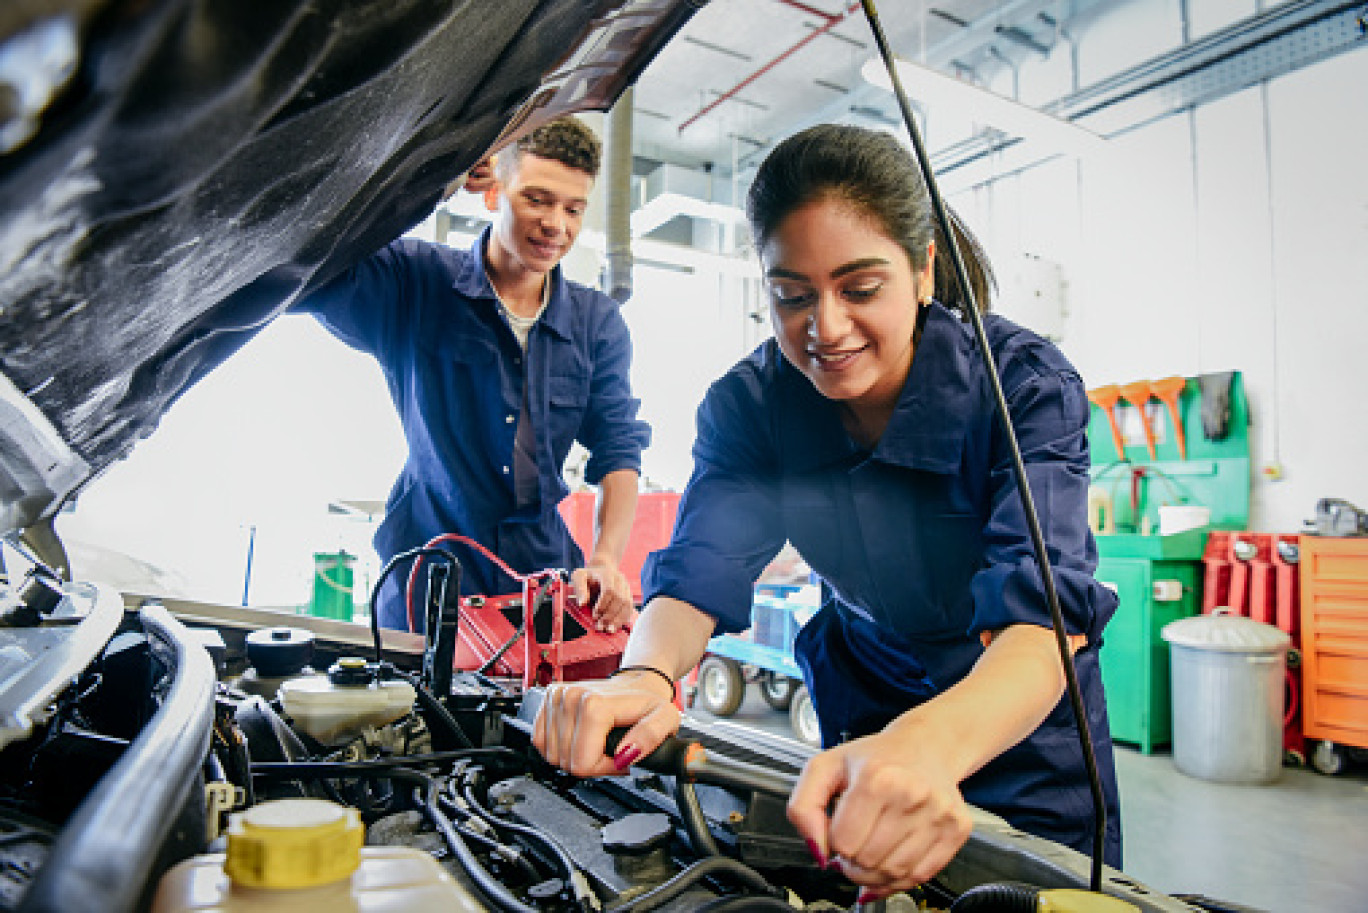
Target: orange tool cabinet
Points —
{"points": [[1334, 639]]}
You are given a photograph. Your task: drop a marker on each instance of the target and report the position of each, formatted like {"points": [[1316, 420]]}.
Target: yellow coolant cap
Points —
{"points": [[293, 843]]}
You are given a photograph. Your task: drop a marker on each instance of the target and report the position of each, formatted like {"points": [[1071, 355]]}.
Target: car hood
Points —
{"points": [[174, 174]]}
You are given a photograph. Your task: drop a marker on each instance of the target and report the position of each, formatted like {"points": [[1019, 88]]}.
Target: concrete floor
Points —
{"points": [[1294, 846]]}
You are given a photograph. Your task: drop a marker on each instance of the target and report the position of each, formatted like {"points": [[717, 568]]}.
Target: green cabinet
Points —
{"points": [[1135, 658]]}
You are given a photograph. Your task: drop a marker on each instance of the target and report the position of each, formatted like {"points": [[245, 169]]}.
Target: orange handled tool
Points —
{"points": [[1105, 398], [1167, 390], [1137, 394]]}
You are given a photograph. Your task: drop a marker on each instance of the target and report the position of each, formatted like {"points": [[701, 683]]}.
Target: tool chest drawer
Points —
{"points": [[1334, 606]]}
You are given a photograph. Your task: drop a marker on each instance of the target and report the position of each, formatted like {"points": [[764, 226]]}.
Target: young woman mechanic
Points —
{"points": [[864, 433]]}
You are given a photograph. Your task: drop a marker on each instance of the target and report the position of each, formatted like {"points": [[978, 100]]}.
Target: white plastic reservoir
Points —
{"points": [[334, 713], [306, 856]]}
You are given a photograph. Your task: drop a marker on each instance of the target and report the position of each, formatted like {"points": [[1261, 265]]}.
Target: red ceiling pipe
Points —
{"points": [[832, 20], [812, 10]]}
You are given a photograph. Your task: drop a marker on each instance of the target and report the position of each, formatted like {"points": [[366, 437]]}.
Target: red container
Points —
{"points": [[1216, 561], [655, 516], [564, 645]]}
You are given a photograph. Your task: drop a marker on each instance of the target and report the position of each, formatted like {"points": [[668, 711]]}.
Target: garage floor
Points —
{"points": [[1300, 844]]}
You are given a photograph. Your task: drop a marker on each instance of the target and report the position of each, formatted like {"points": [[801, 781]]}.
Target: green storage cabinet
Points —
{"points": [[1135, 658]]}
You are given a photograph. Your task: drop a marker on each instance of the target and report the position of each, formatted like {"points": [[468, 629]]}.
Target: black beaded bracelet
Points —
{"points": [[661, 673]]}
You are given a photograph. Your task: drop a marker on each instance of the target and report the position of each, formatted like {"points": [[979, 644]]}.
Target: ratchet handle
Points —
{"points": [[670, 758]]}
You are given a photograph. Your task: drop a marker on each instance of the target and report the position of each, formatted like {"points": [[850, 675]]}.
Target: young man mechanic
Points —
{"points": [[497, 364]]}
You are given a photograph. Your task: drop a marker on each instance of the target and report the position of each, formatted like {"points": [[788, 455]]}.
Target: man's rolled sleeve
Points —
{"points": [[611, 431], [1050, 414]]}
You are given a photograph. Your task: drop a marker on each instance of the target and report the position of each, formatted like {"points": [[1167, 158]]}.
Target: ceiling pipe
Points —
{"points": [[832, 20], [617, 265]]}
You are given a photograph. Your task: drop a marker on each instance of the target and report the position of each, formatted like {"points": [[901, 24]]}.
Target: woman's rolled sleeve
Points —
{"points": [[1050, 413]]}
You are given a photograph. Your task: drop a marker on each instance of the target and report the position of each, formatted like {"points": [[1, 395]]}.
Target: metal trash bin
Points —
{"points": [[1228, 676]]}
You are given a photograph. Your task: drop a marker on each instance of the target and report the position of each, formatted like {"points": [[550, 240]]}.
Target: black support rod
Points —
{"points": [[1018, 466]]}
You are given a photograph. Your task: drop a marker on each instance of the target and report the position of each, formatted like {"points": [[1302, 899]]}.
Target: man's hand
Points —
{"points": [[607, 592], [480, 177]]}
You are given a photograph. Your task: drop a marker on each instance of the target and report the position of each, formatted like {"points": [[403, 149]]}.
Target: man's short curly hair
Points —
{"points": [[566, 140]]}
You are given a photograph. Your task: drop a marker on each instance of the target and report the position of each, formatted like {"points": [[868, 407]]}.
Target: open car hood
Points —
{"points": [[174, 174]]}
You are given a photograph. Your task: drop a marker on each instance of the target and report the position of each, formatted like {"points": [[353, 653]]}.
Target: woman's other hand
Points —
{"points": [[571, 730], [887, 811]]}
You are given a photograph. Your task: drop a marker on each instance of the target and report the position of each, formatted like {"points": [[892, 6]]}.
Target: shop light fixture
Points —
{"points": [[933, 89]]}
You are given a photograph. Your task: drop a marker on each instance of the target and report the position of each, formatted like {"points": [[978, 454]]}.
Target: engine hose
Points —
{"points": [[488, 886], [379, 767], [744, 903], [493, 846], [567, 865], [691, 813], [997, 897], [437, 709], [710, 867]]}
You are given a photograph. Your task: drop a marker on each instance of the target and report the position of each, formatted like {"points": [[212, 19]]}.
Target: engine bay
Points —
{"points": [[133, 730]]}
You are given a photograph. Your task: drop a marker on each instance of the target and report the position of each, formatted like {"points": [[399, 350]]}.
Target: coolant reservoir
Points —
{"points": [[306, 856], [333, 712]]}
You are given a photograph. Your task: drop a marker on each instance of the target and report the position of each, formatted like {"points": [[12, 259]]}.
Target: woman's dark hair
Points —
{"points": [[874, 173]]}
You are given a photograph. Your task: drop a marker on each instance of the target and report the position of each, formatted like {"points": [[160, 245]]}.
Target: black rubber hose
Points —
{"points": [[1023, 484], [708, 868], [487, 884], [388, 569], [695, 824], [491, 845], [432, 705], [998, 897], [567, 865], [744, 903]]}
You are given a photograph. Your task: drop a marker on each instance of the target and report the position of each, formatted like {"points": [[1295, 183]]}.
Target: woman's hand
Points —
{"points": [[896, 814], [571, 730]]}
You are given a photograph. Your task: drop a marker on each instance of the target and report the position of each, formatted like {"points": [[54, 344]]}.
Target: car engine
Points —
{"points": [[133, 730]]}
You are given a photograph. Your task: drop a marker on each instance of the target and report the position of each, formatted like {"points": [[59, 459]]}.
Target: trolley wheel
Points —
{"points": [[777, 690], [1328, 758], [803, 718], [720, 686]]}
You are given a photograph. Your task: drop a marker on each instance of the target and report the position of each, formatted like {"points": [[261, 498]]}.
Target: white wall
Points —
{"points": [[1233, 236]]}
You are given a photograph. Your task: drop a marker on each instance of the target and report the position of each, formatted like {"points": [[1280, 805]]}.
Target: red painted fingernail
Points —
{"points": [[869, 895], [817, 856], [625, 756]]}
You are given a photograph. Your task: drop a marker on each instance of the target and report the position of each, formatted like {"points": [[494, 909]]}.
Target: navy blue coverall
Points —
{"points": [[921, 545], [456, 374]]}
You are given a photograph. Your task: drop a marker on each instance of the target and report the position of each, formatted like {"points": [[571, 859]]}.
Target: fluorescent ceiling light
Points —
{"points": [[936, 90]]}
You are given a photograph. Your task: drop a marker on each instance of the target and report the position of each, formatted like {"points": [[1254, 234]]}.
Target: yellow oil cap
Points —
{"points": [[293, 843], [1070, 900]]}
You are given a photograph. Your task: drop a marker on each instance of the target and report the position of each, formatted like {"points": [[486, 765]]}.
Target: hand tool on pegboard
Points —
{"points": [[1167, 390], [1106, 398], [1138, 394]]}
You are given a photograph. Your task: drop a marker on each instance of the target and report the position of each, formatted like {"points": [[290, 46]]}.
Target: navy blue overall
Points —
{"points": [[920, 543], [456, 374]]}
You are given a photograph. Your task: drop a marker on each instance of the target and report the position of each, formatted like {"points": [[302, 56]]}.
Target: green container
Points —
{"points": [[333, 595], [1135, 657]]}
